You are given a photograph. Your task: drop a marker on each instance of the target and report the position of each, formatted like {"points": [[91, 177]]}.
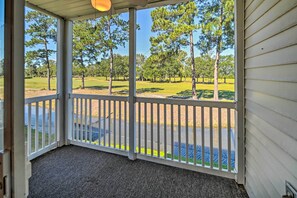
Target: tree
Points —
{"points": [[2, 67], [93, 70], [41, 31], [175, 26], [226, 69], [204, 67], [31, 63], [140, 60], [42, 70], [105, 68], [85, 49], [163, 66], [112, 32], [217, 31], [151, 68], [121, 66]]}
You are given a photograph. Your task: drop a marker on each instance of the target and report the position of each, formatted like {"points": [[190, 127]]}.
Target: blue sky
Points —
{"points": [[143, 36], [1, 29]]}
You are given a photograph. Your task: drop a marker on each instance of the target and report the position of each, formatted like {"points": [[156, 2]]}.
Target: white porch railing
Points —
{"points": [[197, 135], [100, 121], [187, 133], [41, 125]]}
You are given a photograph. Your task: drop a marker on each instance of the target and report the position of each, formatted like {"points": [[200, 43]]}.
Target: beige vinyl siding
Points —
{"points": [[271, 96]]}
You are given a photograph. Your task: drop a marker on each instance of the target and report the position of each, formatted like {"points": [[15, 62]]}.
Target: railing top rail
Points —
{"points": [[41, 98], [100, 97], [199, 103]]}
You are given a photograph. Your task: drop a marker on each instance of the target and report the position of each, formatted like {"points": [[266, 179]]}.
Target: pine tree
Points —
{"points": [[85, 49], [217, 31], [175, 26], [41, 31], [112, 32]]}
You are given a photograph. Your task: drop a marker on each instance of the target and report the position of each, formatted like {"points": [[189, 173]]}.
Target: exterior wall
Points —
{"points": [[270, 96]]}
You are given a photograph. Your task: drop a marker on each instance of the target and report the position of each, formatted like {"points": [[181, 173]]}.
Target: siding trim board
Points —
{"points": [[283, 90], [269, 190], [275, 43], [263, 157], [275, 14], [270, 96], [253, 6], [277, 73], [259, 12], [278, 155], [248, 187], [247, 3], [281, 123], [284, 107], [273, 58], [286, 143]]}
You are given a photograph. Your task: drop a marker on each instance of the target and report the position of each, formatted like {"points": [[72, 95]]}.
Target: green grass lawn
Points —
{"points": [[99, 85]]}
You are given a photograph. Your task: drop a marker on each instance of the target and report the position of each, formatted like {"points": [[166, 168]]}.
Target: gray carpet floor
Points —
{"points": [[71, 172]]}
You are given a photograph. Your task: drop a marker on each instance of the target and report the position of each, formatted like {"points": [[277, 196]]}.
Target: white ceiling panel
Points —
{"points": [[82, 9]]}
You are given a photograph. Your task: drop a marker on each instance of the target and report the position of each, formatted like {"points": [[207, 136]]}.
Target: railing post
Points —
{"points": [[13, 156], [64, 80], [68, 80], [240, 111], [132, 83]]}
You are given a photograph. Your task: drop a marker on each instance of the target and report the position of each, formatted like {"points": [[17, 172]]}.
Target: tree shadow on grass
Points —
{"points": [[150, 90], [223, 94], [102, 87], [140, 91], [206, 94], [166, 81], [186, 94]]}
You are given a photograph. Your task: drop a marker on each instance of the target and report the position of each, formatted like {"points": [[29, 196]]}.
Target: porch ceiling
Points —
{"points": [[82, 9]]}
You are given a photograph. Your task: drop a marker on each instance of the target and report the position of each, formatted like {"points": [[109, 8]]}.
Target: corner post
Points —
{"points": [[239, 71], [14, 139], [64, 80], [67, 71], [132, 83]]}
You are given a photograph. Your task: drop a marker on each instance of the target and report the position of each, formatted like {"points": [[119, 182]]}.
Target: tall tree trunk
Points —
{"points": [[48, 78], [83, 73], [48, 69], [216, 80], [225, 80], [83, 80], [194, 93], [217, 61], [110, 62], [110, 72]]}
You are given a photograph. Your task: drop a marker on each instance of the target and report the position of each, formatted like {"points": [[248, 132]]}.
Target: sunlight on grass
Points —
{"points": [[99, 85]]}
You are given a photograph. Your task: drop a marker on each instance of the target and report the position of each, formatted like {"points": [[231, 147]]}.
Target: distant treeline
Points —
{"points": [[175, 69]]}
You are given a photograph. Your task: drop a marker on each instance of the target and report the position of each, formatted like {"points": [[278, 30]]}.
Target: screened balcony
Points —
{"points": [[93, 145], [73, 140]]}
